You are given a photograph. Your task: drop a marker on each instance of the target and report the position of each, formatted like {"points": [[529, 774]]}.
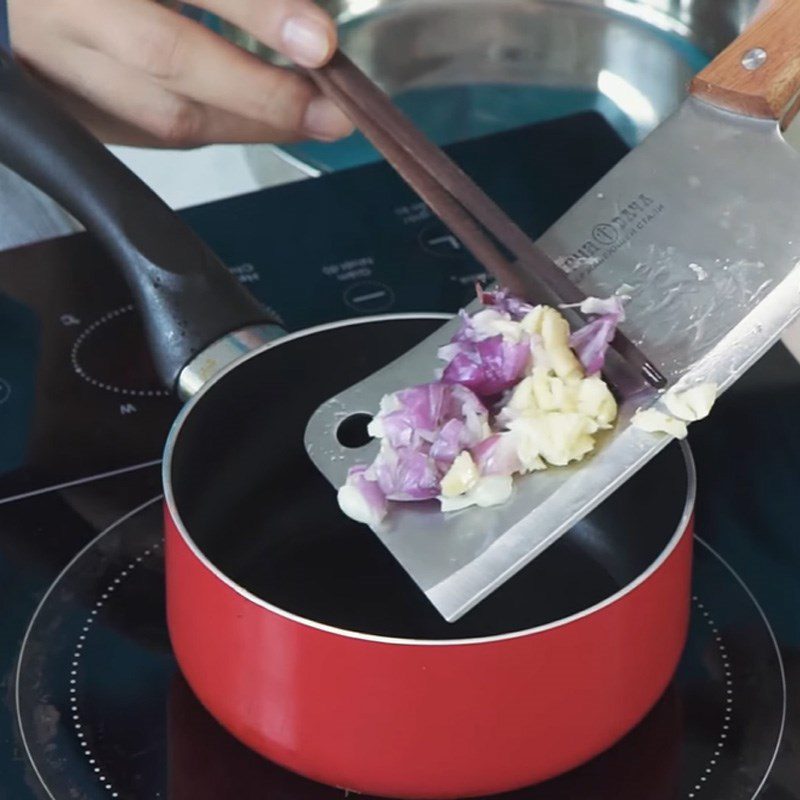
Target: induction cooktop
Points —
{"points": [[93, 705]]}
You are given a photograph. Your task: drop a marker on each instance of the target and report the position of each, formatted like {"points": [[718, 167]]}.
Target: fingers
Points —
{"points": [[188, 60], [124, 108], [299, 29]]}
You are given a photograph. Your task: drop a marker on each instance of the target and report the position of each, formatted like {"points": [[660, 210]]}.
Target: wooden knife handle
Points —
{"points": [[759, 74]]}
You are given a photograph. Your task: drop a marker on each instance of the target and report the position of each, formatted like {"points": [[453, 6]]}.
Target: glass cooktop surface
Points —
{"points": [[93, 705]]}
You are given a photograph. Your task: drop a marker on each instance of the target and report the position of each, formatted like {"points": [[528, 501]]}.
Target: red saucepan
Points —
{"points": [[293, 626]]}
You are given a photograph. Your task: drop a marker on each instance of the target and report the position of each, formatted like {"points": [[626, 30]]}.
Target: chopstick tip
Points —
{"points": [[653, 376]]}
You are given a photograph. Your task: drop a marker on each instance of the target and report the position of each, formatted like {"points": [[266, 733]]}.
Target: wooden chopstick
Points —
{"points": [[461, 204]]}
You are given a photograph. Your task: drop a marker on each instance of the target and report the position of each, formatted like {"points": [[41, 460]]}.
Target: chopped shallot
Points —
{"points": [[591, 342], [518, 392]]}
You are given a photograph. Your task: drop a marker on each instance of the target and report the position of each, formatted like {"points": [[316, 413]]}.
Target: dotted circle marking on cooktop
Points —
{"points": [[76, 346], [728, 709], [707, 618], [727, 671], [76, 660], [155, 548]]}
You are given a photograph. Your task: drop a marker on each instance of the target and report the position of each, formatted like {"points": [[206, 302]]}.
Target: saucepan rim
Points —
{"points": [[681, 529]]}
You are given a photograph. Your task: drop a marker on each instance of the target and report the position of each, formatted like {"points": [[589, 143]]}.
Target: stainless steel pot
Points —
{"points": [[463, 68]]}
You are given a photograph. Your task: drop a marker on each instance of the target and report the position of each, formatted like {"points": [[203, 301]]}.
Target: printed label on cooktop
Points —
{"points": [[78, 393]]}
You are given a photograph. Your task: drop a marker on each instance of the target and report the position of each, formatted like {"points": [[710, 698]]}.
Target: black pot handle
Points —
{"points": [[186, 295]]}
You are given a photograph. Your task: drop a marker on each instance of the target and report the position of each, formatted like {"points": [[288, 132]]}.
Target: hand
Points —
{"points": [[136, 72]]}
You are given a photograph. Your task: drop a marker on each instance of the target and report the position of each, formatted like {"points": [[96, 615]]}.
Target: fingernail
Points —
{"points": [[305, 41], [324, 120]]}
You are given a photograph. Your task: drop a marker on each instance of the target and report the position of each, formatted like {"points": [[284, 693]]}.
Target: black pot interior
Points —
{"points": [[260, 511]]}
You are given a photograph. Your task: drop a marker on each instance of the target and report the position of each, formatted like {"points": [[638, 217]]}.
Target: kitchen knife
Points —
{"points": [[700, 227]]}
